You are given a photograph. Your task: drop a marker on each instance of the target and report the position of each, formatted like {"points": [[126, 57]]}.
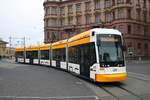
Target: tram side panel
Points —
{"points": [[19, 57], [81, 58], [32, 57], [59, 58], [44, 58], [63, 63], [55, 57]]}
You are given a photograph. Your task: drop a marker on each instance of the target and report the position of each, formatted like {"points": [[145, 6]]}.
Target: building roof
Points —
{"points": [[3, 42]]}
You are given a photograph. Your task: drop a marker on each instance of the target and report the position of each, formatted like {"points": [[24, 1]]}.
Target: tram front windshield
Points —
{"points": [[110, 50]]}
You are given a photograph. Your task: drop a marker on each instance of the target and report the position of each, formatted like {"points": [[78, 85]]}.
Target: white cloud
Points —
{"points": [[21, 18]]}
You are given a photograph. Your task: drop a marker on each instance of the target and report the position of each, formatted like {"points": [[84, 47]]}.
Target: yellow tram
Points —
{"points": [[96, 54]]}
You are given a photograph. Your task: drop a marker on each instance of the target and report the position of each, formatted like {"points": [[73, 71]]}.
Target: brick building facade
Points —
{"points": [[65, 18]]}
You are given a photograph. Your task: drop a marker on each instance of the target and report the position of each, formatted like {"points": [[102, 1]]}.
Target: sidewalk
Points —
{"points": [[8, 60], [137, 61]]}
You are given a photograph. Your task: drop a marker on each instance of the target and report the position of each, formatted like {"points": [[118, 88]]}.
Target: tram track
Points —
{"points": [[131, 92], [118, 92], [113, 95], [139, 77], [115, 91]]}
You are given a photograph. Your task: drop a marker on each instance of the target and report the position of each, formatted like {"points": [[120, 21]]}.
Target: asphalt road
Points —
{"points": [[141, 67], [39, 82], [33, 82]]}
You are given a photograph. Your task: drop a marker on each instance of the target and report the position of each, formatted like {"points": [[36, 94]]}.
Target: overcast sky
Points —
{"points": [[19, 18]]}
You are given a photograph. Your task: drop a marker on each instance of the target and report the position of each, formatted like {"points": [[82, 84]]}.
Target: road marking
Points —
{"points": [[66, 97]]}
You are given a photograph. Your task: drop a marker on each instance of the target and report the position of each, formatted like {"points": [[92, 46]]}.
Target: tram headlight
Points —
{"points": [[104, 66]]}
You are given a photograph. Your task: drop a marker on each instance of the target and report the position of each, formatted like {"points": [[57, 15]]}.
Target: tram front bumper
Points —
{"points": [[111, 77]]}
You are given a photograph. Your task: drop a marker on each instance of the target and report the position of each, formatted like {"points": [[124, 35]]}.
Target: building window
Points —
{"points": [[120, 1], [87, 6], [137, 2], [53, 36], [48, 10], [129, 44], [45, 11], [78, 7], [97, 4], [129, 29], [46, 22], [78, 31], [70, 9], [139, 46], [145, 31], [137, 29], [107, 17], [114, 16], [45, 36], [138, 14], [120, 13], [146, 46], [129, 13], [62, 10], [53, 10], [70, 20], [78, 20], [88, 19], [128, 1], [53, 22], [145, 16], [113, 2], [121, 28], [114, 27], [62, 22], [107, 3], [144, 4], [97, 18]]}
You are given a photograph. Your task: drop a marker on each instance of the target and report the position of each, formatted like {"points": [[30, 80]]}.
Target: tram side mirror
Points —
{"points": [[124, 48]]}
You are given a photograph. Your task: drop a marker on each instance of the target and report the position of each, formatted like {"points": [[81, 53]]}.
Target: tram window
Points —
{"points": [[45, 54], [54, 54], [63, 54], [83, 54], [19, 54], [92, 53], [32, 54], [59, 54], [35, 54], [88, 54], [28, 54], [74, 54]]}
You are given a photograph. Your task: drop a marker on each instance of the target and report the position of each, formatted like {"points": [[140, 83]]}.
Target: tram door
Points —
{"points": [[84, 62]]}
